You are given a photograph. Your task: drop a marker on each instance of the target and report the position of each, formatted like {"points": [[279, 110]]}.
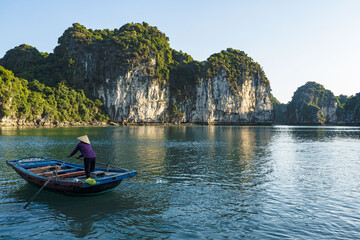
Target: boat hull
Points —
{"points": [[69, 186]]}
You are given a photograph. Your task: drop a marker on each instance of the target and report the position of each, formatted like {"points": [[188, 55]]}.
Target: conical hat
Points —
{"points": [[84, 139]]}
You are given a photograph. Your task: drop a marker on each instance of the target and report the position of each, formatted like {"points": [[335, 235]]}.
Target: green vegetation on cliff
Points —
{"points": [[313, 104], [126, 48], [34, 101], [352, 109], [309, 103], [237, 65], [129, 46], [185, 73], [280, 111], [27, 62]]}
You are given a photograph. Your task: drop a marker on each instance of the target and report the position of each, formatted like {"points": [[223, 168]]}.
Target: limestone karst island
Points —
{"points": [[131, 75]]}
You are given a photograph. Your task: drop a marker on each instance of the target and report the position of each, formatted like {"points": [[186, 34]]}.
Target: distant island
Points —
{"points": [[312, 104], [131, 75]]}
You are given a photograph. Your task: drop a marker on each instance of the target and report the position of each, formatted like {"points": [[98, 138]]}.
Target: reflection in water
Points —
{"points": [[151, 153], [215, 150], [133, 147], [223, 182], [218, 169], [319, 133]]}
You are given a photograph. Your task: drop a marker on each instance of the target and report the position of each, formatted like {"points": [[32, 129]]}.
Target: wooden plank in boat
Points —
{"points": [[72, 174], [65, 175], [40, 169]]}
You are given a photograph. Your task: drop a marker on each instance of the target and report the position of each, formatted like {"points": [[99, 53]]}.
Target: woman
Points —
{"points": [[86, 152]]}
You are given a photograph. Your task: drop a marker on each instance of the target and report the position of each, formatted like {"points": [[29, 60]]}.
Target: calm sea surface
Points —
{"points": [[219, 182]]}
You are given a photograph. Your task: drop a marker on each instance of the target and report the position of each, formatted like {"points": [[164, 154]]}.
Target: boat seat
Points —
{"points": [[97, 174]]}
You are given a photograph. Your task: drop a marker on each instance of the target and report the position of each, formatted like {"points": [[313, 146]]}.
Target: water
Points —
{"points": [[216, 182]]}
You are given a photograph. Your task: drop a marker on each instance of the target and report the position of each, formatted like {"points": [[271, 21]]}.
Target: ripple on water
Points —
{"points": [[221, 182]]}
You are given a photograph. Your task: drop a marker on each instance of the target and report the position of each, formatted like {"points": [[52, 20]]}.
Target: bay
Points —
{"points": [[237, 182]]}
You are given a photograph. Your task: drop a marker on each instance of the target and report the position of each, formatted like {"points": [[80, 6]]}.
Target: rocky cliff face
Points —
{"points": [[132, 92], [215, 102], [134, 98], [139, 78]]}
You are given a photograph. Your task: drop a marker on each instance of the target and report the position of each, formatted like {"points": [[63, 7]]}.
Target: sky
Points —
{"points": [[295, 41]]}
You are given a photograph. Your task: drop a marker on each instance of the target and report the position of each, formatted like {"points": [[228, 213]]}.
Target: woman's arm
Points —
{"points": [[75, 150]]}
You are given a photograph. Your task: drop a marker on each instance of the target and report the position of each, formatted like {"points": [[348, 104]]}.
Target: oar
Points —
{"points": [[42, 187], [115, 166]]}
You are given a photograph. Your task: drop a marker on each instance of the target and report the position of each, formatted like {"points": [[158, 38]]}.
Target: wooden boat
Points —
{"points": [[66, 177]]}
